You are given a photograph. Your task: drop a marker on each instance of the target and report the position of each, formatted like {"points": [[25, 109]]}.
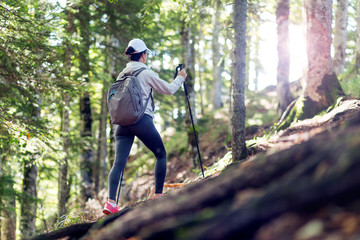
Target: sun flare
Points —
{"points": [[268, 55]]}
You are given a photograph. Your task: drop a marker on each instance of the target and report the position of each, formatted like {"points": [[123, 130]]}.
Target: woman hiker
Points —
{"points": [[144, 129]]}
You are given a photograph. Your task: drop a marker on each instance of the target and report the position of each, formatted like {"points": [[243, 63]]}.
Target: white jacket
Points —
{"points": [[150, 80]]}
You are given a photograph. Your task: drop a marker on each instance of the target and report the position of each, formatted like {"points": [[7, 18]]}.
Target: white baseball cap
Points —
{"points": [[138, 45]]}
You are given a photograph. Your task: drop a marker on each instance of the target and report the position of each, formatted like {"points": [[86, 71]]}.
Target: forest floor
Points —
{"points": [[332, 221], [301, 131], [262, 139]]}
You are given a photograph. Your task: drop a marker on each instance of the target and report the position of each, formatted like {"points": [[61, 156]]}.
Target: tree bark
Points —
{"points": [[63, 170], [283, 87], [29, 198], [216, 58], [238, 85], [100, 164], [86, 163], [357, 56], [8, 222], [340, 35], [8, 207], [322, 86], [200, 63], [28, 202]]}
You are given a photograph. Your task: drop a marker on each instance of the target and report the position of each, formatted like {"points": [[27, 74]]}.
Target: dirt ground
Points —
{"points": [[180, 168]]}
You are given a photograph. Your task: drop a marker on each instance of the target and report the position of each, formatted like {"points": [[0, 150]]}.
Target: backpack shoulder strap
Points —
{"points": [[121, 75], [137, 72]]}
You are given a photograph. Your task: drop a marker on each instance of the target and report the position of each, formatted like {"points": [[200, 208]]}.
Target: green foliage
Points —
{"points": [[351, 85], [296, 12]]}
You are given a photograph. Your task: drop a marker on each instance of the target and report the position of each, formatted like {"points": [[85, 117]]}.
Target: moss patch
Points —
{"points": [[295, 114]]}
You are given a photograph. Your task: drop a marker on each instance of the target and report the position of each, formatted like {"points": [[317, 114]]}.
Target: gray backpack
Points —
{"points": [[125, 99]]}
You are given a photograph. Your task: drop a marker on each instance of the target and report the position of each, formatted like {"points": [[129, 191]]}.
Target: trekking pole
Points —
{"points": [[119, 187], [191, 117]]}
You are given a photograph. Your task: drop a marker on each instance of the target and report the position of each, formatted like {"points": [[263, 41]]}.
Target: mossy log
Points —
{"points": [[248, 195]]}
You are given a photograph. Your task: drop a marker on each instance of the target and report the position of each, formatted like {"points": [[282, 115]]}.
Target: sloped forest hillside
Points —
{"points": [[305, 186]]}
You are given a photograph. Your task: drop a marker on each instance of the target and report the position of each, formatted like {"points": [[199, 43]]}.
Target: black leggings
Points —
{"points": [[145, 130]]}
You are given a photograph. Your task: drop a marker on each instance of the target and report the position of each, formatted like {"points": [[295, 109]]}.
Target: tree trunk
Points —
{"points": [[86, 163], [8, 207], [188, 59], [8, 214], [340, 36], [200, 63], [99, 165], [238, 88], [28, 201], [357, 56], [216, 58], [322, 86], [29, 198], [283, 87], [63, 171]]}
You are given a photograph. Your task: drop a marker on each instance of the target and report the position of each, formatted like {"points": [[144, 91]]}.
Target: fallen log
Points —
{"points": [[77, 231], [324, 169]]}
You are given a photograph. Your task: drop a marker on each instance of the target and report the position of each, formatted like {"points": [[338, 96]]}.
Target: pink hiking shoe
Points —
{"points": [[108, 209], [157, 196]]}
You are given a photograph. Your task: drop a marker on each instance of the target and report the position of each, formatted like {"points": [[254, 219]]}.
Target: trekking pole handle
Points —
{"points": [[180, 66]]}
